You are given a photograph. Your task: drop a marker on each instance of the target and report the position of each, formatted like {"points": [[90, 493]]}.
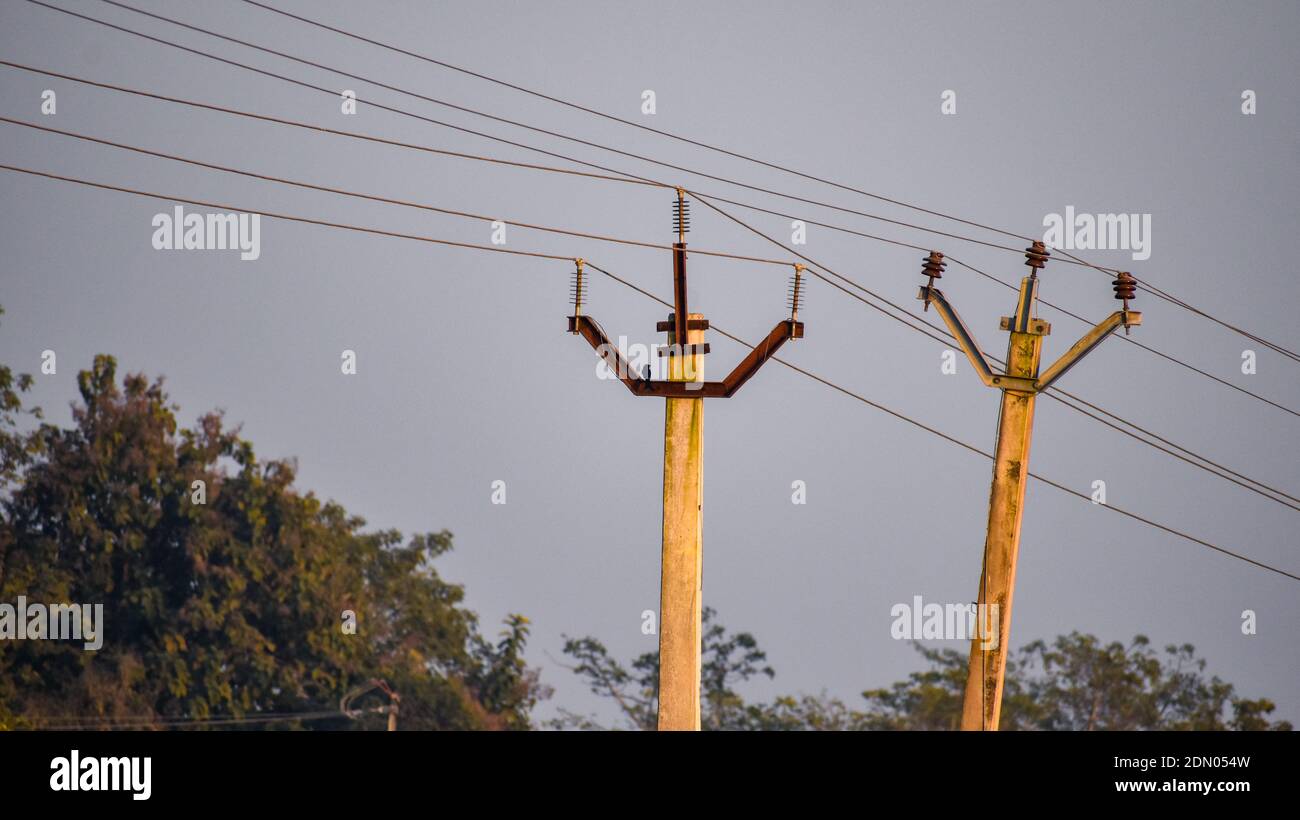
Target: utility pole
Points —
{"points": [[394, 699], [681, 586], [684, 391], [1020, 386]]}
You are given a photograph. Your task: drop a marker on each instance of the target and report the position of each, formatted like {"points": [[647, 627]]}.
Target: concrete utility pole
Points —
{"points": [[394, 700], [682, 578], [1020, 386], [684, 391]]}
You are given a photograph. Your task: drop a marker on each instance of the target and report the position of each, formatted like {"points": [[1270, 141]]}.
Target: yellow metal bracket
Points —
{"points": [[1089, 342], [1024, 322]]}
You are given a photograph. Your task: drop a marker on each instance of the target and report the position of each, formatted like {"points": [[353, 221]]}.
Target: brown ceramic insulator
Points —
{"points": [[1036, 257]]}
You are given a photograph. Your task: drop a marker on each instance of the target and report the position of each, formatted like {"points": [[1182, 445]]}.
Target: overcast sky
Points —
{"points": [[465, 375]]}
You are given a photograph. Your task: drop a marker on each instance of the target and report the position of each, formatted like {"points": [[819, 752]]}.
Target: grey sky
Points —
{"points": [[466, 376]]}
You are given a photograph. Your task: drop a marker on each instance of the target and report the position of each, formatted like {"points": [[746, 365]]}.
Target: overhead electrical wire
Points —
{"points": [[273, 215], [326, 130], [385, 200], [512, 122], [946, 338], [1129, 339], [953, 440], [130, 722], [622, 120], [301, 716], [735, 154], [827, 382], [628, 176], [473, 111], [621, 177], [1071, 258], [1266, 488]]}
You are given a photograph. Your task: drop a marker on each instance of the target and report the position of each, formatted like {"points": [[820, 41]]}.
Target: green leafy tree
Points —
{"points": [[231, 608], [16, 449], [727, 660], [1075, 683]]}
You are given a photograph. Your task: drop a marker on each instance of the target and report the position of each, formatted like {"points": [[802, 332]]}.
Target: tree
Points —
{"points": [[230, 608], [1076, 683], [16, 449], [727, 660]]}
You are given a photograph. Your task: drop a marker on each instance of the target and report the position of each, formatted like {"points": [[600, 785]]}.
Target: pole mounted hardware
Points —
{"points": [[1024, 321], [681, 585], [394, 700], [796, 291], [933, 268], [578, 288], [1020, 385], [679, 325]]}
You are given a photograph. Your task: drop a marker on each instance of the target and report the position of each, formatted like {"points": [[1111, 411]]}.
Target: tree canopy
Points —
{"points": [[1074, 683], [229, 608], [228, 593]]}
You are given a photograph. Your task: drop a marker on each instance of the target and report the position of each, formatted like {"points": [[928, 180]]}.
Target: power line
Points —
{"points": [[1052, 391], [929, 330], [386, 200], [550, 169], [311, 186], [102, 722], [927, 428], [1059, 486], [991, 278], [475, 112], [1070, 258], [272, 215], [623, 177], [965, 445], [697, 194], [613, 118], [1130, 340], [578, 107], [1185, 306], [1160, 293], [325, 130]]}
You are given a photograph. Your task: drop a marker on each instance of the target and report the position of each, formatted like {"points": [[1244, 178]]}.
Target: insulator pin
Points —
{"points": [[681, 215], [1125, 287], [1036, 257], [933, 267], [578, 287], [795, 293]]}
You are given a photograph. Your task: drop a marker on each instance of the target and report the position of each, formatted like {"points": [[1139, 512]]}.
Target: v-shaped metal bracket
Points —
{"points": [[1025, 322], [679, 326]]}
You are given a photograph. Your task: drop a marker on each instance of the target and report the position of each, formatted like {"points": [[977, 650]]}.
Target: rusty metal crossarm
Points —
{"points": [[933, 295], [683, 390], [764, 350], [1087, 344], [596, 337]]}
